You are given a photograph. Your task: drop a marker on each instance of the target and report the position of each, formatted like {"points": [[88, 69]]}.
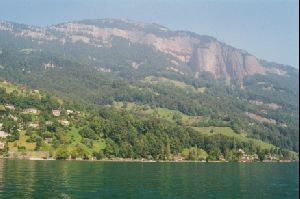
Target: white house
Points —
{"points": [[70, 112], [64, 122], [56, 113], [10, 106], [33, 125], [3, 134], [2, 145], [31, 110]]}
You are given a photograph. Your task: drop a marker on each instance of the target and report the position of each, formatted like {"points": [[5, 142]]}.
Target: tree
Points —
{"points": [[38, 141], [194, 153], [126, 150], [111, 148], [168, 150], [87, 132], [62, 153], [177, 118], [99, 155], [214, 154], [261, 155]]}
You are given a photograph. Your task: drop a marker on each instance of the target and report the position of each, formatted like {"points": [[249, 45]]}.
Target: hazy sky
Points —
{"points": [[266, 28]]}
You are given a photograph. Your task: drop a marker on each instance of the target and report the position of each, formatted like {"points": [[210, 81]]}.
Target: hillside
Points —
{"points": [[147, 66], [37, 125]]}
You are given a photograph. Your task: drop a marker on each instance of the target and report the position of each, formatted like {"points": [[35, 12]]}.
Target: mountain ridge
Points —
{"points": [[200, 53]]}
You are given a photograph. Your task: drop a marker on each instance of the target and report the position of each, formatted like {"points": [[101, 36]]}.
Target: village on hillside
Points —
{"points": [[37, 126]]}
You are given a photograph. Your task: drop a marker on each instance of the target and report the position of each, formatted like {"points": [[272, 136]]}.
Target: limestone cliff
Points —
{"points": [[201, 53]]}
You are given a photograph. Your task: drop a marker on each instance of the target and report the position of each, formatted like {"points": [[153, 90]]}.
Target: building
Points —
{"points": [[3, 134], [178, 158], [48, 140], [247, 158], [36, 91], [272, 157], [10, 107], [56, 113], [241, 151], [64, 122], [2, 145], [70, 112], [221, 158], [33, 125], [48, 123], [30, 110]]}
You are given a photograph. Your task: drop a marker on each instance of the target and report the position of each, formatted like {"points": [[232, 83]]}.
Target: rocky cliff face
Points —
{"points": [[201, 53], [224, 61]]}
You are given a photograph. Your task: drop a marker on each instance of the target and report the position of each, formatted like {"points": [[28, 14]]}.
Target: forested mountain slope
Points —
{"points": [[192, 80], [34, 124]]}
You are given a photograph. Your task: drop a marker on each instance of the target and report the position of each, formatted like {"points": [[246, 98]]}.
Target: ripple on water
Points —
{"points": [[70, 179]]}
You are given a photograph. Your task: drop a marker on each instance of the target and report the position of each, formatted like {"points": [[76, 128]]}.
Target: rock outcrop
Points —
{"points": [[201, 53]]}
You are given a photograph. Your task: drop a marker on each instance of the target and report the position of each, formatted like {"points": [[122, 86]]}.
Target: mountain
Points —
{"points": [[200, 53], [177, 76]]}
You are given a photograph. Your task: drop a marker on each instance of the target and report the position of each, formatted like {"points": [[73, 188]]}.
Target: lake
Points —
{"points": [[83, 179]]}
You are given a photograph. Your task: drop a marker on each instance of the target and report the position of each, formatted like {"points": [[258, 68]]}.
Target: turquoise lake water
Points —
{"points": [[80, 179]]}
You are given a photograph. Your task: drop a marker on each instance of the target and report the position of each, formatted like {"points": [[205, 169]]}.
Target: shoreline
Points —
{"points": [[147, 161]]}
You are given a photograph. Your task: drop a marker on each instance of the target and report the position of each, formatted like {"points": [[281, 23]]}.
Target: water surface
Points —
{"points": [[80, 179]]}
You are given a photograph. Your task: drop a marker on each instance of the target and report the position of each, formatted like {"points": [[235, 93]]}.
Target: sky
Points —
{"points": [[268, 29]]}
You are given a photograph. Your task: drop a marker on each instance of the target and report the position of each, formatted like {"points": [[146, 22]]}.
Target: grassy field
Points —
{"points": [[13, 146], [227, 131], [76, 139], [162, 113], [22, 91], [71, 135], [2, 107], [9, 87], [156, 80]]}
